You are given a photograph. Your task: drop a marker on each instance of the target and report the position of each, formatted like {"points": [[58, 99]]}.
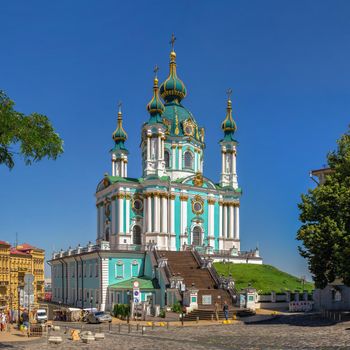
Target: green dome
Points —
{"points": [[119, 135], [228, 125], [155, 107], [173, 88]]}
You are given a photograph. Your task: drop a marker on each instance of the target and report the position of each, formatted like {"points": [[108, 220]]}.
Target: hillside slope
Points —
{"points": [[264, 278]]}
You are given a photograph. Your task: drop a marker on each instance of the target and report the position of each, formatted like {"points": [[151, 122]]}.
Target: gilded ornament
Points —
{"points": [[176, 125], [211, 201], [183, 197], [197, 205], [198, 179]]}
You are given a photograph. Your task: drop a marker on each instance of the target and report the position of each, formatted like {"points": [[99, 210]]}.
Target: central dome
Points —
{"points": [[173, 88]]}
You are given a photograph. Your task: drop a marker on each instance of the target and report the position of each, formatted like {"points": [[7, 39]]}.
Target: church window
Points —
{"points": [[188, 158], [134, 269], [196, 236], [167, 159], [137, 204], [119, 269], [136, 234]]}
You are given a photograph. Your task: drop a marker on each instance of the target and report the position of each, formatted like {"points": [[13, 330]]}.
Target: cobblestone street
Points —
{"points": [[284, 332]]}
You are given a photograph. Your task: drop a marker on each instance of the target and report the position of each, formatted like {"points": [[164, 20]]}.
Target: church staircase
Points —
{"points": [[187, 264]]}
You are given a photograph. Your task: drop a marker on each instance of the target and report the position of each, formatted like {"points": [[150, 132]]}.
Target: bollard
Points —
{"points": [[212, 317], [109, 327], [129, 328], [119, 328], [137, 327], [167, 325], [152, 325], [197, 319], [143, 330]]}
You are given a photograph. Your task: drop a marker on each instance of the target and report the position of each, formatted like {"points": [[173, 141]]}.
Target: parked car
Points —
{"points": [[99, 317], [41, 315]]}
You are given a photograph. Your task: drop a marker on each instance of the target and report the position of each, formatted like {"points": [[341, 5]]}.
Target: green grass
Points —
{"points": [[264, 278]]}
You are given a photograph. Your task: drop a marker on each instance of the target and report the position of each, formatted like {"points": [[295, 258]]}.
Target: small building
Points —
{"points": [[15, 262]]}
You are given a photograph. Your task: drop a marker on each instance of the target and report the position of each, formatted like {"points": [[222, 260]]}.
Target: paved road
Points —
{"points": [[284, 332]]}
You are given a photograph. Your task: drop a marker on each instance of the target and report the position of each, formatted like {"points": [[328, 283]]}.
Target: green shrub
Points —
{"points": [[176, 307], [162, 313], [121, 310]]}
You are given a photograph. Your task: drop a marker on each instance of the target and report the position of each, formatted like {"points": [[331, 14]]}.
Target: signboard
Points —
{"points": [[136, 296], [206, 299]]}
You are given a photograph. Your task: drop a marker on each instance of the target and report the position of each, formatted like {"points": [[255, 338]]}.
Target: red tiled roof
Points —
{"points": [[4, 243], [25, 246], [17, 252]]}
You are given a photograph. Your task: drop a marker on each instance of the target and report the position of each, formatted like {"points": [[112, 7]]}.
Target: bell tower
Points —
{"points": [[228, 148], [119, 152]]}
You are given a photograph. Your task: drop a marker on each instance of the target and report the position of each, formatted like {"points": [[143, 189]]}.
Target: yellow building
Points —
{"points": [[15, 262]]}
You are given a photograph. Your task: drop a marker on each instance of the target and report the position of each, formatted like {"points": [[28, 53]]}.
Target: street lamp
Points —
{"points": [[19, 310], [91, 300], [129, 303]]}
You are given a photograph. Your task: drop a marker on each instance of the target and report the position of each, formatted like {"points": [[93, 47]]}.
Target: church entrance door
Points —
{"points": [[197, 236], [136, 235]]}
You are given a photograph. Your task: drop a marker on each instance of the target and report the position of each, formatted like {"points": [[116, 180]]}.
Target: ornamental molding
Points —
{"points": [[197, 205], [183, 197], [230, 204], [211, 201]]}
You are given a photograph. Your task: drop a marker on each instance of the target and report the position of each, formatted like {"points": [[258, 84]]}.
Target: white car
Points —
{"points": [[99, 317], [41, 315]]}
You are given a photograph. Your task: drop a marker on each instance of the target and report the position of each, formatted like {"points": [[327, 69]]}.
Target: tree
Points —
{"points": [[325, 217], [31, 136]]}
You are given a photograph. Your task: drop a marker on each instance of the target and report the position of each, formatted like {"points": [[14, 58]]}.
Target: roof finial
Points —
{"points": [[172, 41], [155, 70], [229, 93], [120, 107]]}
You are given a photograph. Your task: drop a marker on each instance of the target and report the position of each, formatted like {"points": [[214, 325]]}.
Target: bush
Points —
{"points": [[176, 307], [162, 313], [121, 310]]}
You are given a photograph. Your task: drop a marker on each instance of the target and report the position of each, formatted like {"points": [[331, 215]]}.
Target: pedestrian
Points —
{"points": [[225, 309], [216, 310], [1, 322], [25, 318]]}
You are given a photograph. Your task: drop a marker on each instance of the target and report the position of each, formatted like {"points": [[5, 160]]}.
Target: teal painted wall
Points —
{"points": [[177, 221], [216, 225], [127, 268]]}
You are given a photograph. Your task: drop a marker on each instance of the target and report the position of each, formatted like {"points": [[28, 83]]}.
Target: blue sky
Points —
{"points": [[286, 61]]}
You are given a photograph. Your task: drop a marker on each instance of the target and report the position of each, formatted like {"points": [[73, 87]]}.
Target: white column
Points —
{"points": [[125, 168], [164, 215], [225, 221], [220, 221], [127, 214], [231, 222], [222, 162], [183, 216], [210, 220], [172, 215], [101, 219], [121, 167], [144, 225], [149, 214], [195, 160], [113, 168], [180, 158], [98, 222], [120, 215], [113, 206], [237, 222], [156, 214], [148, 148], [159, 147], [173, 157]]}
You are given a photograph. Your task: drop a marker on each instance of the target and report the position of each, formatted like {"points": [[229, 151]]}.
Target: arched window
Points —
{"points": [[167, 159], [136, 234], [107, 234], [196, 236], [188, 158]]}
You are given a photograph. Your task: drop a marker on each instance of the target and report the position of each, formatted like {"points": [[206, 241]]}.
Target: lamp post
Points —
{"points": [[91, 300], [19, 305], [129, 303]]}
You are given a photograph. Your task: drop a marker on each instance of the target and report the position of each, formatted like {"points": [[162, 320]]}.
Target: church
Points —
{"points": [[171, 207]]}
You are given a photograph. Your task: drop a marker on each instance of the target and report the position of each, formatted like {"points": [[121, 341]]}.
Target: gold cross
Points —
{"points": [[155, 70], [229, 93], [172, 41]]}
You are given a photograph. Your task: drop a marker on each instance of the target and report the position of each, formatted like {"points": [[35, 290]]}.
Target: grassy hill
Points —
{"points": [[264, 278]]}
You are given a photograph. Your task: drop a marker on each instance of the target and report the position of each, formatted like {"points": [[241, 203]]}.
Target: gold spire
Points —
{"points": [[229, 125], [119, 134]]}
